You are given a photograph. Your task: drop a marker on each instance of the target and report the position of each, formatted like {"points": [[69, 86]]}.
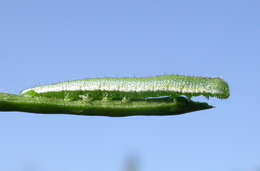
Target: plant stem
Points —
{"points": [[10, 102]]}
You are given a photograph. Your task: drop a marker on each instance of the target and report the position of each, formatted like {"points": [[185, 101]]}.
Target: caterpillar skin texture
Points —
{"points": [[135, 89]]}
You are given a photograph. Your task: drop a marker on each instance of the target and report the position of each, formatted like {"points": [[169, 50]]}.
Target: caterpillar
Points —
{"points": [[133, 88], [159, 95]]}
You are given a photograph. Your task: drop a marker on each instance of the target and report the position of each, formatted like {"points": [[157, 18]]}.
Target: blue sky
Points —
{"points": [[44, 42]]}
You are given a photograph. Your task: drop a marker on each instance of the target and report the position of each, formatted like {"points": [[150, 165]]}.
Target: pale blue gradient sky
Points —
{"points": [[49, 41]]}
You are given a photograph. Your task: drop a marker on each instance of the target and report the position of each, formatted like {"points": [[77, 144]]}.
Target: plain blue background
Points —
{"points": [[44, 42]]}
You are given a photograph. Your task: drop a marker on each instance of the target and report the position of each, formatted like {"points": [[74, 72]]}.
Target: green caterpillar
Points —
{"points": [[133, 88], [133, 96]]}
